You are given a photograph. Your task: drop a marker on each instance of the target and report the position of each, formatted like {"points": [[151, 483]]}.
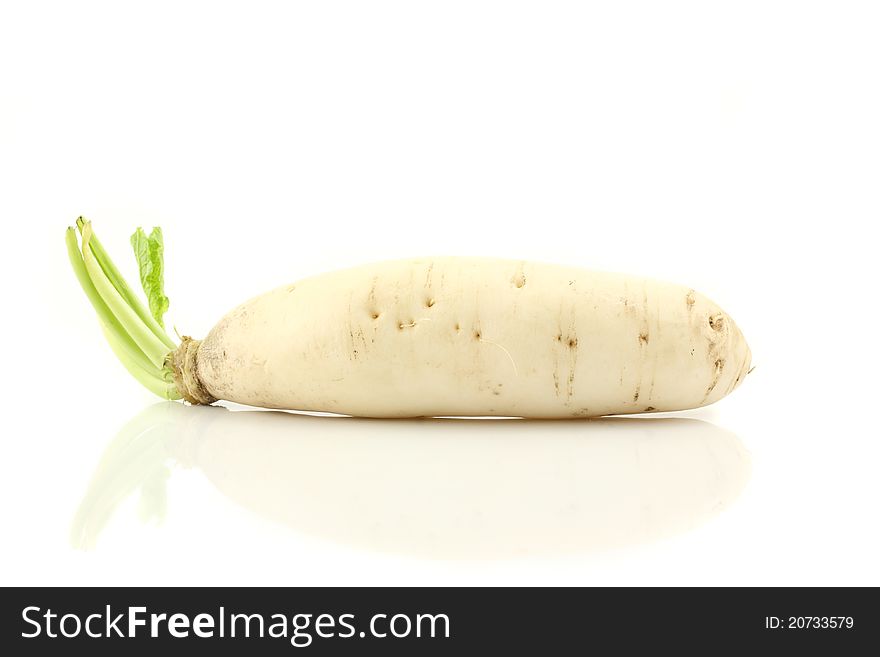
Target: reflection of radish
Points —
{"points": [[437, 336], [444, 488]]}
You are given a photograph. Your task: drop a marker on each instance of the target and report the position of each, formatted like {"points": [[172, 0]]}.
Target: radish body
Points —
{"points": [[469, 336]]}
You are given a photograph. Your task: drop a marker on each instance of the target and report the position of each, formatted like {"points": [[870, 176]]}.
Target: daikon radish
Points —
{"points": [[443, 336]]}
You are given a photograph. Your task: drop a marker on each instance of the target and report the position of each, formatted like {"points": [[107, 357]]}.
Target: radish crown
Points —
{"points": [[135, 334]]}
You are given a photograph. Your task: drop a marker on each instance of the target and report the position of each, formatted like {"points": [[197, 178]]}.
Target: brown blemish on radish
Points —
{"points": [[429, 303], [643, 337], [740, 375], [690, 299], [519, 278], [716, 322], [354, 351], [716, 375]]}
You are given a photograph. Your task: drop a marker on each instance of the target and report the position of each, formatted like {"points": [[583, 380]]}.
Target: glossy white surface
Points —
{"points": [[442, 488], [733, 150]]}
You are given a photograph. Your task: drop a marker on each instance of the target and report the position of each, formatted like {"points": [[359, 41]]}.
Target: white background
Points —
{"points": [[732, 147]]}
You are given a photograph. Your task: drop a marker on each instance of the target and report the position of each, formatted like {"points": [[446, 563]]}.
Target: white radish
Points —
{"points": [[473, 336], [468, 337]]}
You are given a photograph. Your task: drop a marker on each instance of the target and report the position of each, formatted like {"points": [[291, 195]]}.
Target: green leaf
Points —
{"points": [[149, 252]]}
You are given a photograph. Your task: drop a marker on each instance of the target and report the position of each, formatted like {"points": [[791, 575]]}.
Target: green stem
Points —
{"points": [[154, 349], [135, 344], [119, 283], [108, 320], [149, 379]]}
